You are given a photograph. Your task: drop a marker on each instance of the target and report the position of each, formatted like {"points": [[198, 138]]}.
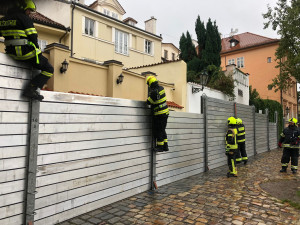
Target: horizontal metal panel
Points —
{"points": [[185, 131], [85, 136], [89, 180], [185, 120], [185, 142], [10, 129], [160, 158], [11, 152], [172, 179], [60, 207], [178, 148], [15, 220], [53, 107], [14, 106], [13, 140], [16, 72], [174, 137], [67, 214], [51, 96], [75, 146], [219, 101], [83, 192], [13, 83], [11, 175], [12, 117], [173, 161], [86, 172], [184, 126], [8, 61], [179, 165], [163, 174], [216, 165], [12, 94], [13, 163], [10, 187], [12, 198], [185, 115], [79, 127]]}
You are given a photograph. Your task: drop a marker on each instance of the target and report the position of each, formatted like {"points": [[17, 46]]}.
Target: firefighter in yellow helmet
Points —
{"points": [[21, 43], [158, 101], [241, 139], [289, 140], [231, 146]]}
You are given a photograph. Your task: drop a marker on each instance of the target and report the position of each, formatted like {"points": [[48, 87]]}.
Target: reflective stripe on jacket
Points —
{"points": [[241, 133], [158, 101]]}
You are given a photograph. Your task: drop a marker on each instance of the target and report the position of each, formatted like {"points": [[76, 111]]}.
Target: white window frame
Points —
{"points": [[240, 62], [114, 15], [148, 47], [42, 44], [121, 42], [231, 61], [87, 22], [106, 12], [269, 59]]}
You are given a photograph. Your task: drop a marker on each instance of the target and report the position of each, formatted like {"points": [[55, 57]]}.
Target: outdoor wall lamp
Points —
{"points": [[287, 110], [120, 79], [64, 66], [203, 77]]}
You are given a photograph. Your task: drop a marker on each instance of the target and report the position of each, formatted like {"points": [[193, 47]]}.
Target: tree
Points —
{"points": [[285, 19], [187, 48], [253, 95], [183, 48], [201, 35]]}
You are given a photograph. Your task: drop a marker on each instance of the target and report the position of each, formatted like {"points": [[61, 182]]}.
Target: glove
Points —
{"points": [[279, 144]]}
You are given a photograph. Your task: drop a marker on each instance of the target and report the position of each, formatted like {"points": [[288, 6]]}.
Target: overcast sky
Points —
{"points": [[177, 16]]}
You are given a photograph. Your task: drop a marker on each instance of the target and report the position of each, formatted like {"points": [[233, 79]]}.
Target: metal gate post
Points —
{"points": [[204, 104], [254, 130], [268, 130], [276, 121], [32, 162], [235, 110]]}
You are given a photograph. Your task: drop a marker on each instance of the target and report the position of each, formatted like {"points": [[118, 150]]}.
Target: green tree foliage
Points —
{"points": [[187, 48], [194, 65], [285, 19], [201, 35]]}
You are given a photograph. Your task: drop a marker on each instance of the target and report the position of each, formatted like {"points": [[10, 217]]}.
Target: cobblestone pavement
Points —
{"points": [[208, 198]]}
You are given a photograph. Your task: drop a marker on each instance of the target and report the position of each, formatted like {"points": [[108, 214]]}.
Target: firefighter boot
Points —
{"points": [[229, 174], [294, 171], [166, 147], [245, 162], [283, 170], [31, 92]]}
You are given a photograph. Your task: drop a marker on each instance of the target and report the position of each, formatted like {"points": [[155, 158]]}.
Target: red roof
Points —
{"points": [[174, 105], [245, 40], [41, 19]]}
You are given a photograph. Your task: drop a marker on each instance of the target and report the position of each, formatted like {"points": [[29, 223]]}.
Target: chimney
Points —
{"points": [[150, 25]]}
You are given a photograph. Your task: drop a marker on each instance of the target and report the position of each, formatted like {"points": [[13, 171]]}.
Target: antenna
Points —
{"points": [[233, 32]]}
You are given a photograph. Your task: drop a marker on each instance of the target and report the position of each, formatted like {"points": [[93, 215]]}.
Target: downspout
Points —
{"points": [[72, 24], [62, 37]]}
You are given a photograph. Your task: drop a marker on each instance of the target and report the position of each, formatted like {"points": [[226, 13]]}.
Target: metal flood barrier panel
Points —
{"points": [[218, 112], [261, 132], [92, 151], [247, 114], [186, 142], [273, 135], [14, 116]]}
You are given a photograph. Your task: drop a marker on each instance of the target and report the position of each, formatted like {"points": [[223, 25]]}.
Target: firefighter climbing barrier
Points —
{"points": [[71, 154]]}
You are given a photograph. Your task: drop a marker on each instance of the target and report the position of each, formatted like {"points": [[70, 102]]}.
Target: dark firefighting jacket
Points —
{"points": [[158, 100], [241, 133], [16, 25], [290, 137]]}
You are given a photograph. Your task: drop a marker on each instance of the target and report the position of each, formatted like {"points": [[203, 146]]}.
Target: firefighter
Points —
{"points": [[21, 43], [158, 101], [231, 146], [289, 140], [241, 140]]}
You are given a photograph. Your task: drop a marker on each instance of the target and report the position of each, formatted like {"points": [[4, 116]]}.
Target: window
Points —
{"points": [[165, 54], [240, 92], [231, 61], [240, 62], [121, 42], [148, 47], [42, 44], [269, 60], [173, 56], [106, 12], [89, 27], [114, 15]]}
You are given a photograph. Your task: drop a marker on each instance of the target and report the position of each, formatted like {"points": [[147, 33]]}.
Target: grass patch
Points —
{"points": [[294, 204]]}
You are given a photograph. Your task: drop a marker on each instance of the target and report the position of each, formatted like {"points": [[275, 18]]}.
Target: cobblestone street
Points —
{"points": [[207, 198]]}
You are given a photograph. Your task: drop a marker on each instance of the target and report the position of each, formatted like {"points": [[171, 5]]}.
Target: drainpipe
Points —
{"points": [[72, 24], [62, 37]]}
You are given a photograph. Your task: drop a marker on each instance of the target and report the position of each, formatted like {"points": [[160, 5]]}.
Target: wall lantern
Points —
{"points": [[203, 77], [287, 110], [120, 79], [64, 66]]}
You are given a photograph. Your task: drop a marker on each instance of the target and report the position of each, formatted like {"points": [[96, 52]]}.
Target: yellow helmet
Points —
{"points": [[150, 80], [239, 121], [293, 120], [231, 120], [29, 4]]}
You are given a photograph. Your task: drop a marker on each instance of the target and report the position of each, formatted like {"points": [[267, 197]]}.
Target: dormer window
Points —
{"points": [[233, 42], [130, 21], [106, 12]]}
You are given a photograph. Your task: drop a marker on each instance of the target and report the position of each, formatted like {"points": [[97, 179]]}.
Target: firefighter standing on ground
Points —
{"points": [[231, 146], [241, 140], [289, 140], [158, 101], [21, 43]]}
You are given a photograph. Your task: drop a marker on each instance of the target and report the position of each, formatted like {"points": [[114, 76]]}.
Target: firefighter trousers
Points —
{"points": [[231, 160], [290, 153], [46, 70], [159, 129]]}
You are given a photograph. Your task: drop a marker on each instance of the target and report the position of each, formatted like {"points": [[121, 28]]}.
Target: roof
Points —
{"points": [[170, 44], [245, 40], [129, 19], [105, 3], [41, 19], [154, 64], [174, 105]]}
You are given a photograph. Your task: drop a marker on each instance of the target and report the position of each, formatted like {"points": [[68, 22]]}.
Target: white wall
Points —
{"points": [[241, 81]]}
